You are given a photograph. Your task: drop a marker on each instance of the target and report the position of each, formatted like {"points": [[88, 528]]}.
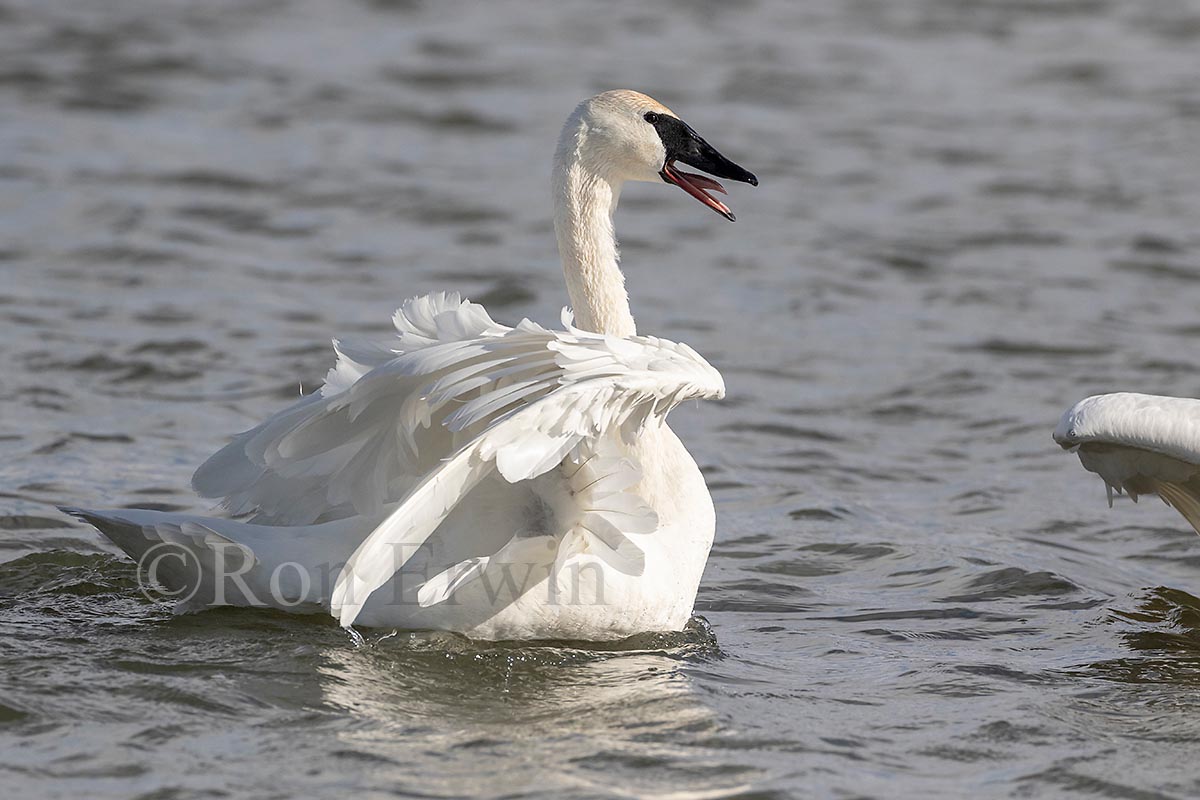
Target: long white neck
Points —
{"points": [[585, 197]]}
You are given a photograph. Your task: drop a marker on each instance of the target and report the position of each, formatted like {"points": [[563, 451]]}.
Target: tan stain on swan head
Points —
{"points": [[628, 99], [609, 135]]}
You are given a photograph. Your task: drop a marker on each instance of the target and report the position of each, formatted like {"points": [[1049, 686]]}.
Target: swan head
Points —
{"points": [[628, 136]]}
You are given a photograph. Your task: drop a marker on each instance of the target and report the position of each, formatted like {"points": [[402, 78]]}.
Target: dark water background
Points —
{"points": [[971, 215]]}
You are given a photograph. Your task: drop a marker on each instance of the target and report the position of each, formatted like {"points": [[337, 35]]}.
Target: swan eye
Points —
{"points": [[651, 117]]}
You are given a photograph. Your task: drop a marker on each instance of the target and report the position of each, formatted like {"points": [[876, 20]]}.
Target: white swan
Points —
{"points": [[504, 483], [1139, 444]]}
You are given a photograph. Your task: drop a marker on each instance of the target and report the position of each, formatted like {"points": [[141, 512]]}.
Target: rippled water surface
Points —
{"points": [[971, 215]]}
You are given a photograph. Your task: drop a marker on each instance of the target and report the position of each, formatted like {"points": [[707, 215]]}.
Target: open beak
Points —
{"points": [[685, 145], [695, 185]]}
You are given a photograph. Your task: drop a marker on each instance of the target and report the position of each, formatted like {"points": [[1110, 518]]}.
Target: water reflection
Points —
{"points": [[1163, 630], [548, 718]]}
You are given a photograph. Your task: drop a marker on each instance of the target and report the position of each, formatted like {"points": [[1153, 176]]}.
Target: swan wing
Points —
{"points": [[1139, 444], [600, 385], [390, 416], [360, 438]]}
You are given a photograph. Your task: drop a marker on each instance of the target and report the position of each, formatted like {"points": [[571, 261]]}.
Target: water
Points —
{"points": [[971, 215]]}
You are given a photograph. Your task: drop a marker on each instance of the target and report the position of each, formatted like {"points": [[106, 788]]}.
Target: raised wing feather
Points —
{"points": [[1139, 444], [389, 415], [344, 449], [601, 386]]}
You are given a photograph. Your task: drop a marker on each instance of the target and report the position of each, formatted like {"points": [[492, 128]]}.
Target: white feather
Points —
{"points": [[440, 587], [397, 538], [350, 448]]}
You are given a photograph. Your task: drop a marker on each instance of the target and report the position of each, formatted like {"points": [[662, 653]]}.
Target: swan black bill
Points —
{"points": [[687, 147]]}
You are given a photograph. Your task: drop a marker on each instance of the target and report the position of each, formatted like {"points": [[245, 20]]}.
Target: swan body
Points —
{"points": [[500, 482], [1139, 444]]}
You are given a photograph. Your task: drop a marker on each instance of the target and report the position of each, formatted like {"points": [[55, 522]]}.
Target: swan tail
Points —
{"points": [[198, 562]]}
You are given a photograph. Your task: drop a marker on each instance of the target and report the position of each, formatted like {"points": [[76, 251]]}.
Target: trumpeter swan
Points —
{"points": [[1139, 444], [501, 482]]}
